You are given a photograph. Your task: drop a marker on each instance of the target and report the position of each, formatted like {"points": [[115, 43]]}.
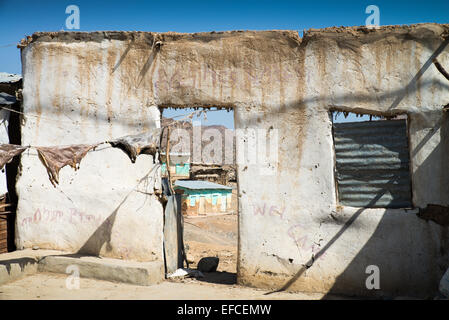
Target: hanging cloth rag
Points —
{"points": [[143, 143], [55, 158], [9, 151]]}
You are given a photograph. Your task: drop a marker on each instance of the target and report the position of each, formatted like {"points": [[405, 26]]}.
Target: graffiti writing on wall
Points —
{"points": [[303, 241], [73, 215], [77, 216], [296, 232], [269, 210]]}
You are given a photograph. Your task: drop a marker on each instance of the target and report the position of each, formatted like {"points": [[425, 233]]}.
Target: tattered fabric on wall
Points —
{"points": [[143, 143], [9, 151], [55, 158]]}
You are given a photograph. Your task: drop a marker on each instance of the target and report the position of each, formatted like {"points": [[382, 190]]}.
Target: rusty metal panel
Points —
{"points": [[372, 164]]}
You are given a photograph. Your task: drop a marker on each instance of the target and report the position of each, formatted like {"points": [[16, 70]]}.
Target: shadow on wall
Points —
{"points": [[400, 242], [397, 94], [103, 233], [372, 157], [436, 163], [384, 238], [407, 255], [387, 247], [101, 236], [413, 250]]}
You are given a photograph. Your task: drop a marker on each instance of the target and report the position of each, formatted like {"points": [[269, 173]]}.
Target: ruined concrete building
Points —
{"points": [[221, 174], [298, 230]]}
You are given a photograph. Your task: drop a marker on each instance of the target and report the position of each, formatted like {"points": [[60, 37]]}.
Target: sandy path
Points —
{"points": [[52, 286]]}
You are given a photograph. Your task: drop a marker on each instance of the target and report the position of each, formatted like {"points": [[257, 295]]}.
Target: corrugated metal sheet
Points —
{"points": [[372, 162], [7, 99]]}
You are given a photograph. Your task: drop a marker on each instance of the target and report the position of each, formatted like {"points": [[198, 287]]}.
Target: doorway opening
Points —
{"points": [[200, 165]]}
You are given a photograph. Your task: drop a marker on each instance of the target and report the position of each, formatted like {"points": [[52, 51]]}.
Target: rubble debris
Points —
{"points": [[208, 264], [186, 273], [55, 158], [221, 174], [143, 143], [9, 151], [24, 42], [436, 213]]}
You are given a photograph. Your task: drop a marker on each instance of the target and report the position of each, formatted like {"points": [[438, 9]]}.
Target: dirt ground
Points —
{"points": [[212, 236], [204, 237], [53, 286]]}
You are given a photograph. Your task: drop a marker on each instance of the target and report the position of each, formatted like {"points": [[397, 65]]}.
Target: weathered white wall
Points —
{"points": [[275, 80], [108, 206], [351, 71]]}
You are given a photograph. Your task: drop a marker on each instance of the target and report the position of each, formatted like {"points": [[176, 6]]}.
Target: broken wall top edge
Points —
{"points": [[420, 30], [98, 36], [417, 31]]}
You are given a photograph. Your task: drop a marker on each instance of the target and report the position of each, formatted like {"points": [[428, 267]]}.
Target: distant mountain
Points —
{"points": [[226, 148]]}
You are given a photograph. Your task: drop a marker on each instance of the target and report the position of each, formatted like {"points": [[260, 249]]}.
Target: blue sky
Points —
{"points": [[20, 18]]}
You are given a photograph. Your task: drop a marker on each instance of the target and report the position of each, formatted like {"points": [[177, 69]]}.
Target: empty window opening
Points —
{"points": [[372, 162], [202, 171]]}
